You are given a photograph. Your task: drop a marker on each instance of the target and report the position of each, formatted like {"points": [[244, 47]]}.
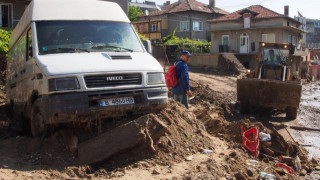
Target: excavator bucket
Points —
{"points": [[281, 95]]}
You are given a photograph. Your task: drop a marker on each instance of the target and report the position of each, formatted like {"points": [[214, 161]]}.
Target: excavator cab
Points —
{"points": [[273, 64], [271, 84]]}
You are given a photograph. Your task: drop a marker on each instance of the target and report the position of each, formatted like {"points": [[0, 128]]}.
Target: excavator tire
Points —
{"points": [[291, 112]]}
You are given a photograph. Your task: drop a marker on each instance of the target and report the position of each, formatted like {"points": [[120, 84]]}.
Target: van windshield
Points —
{"points": [[86, 36]]}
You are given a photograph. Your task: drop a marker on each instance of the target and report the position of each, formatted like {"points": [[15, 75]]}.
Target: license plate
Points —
{"points": [[116, 101]]}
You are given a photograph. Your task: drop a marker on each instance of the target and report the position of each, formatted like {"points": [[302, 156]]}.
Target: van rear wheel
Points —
{"points": [[38, 126]]}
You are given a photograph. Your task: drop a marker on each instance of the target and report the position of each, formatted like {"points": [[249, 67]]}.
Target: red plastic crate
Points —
{"points": [[250, 141]]}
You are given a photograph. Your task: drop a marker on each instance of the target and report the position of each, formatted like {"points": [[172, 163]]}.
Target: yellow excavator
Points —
{"points": [[274, 83]]}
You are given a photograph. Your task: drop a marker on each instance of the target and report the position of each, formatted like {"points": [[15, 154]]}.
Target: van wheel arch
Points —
{"points": [[32, 99]]}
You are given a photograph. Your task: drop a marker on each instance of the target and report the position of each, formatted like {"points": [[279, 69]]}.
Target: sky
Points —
{"points": [[308, 8]]}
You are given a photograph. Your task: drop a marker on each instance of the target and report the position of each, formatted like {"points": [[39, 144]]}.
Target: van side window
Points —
{"points": [[29, 45], [19, 49]]}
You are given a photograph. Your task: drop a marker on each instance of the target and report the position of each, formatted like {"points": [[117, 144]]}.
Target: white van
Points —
{"points": [[77, 61]]}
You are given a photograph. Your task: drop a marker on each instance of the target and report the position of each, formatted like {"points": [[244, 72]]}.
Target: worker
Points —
{"points": [[272, 58], [181, 92]]}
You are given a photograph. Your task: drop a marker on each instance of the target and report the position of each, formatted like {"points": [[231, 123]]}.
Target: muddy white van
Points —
{"points": [[79, 61]]}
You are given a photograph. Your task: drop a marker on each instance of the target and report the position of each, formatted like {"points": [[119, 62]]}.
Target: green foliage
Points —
{"points": [[4, 42], [142, 37], [133, 13], [180, 44]]}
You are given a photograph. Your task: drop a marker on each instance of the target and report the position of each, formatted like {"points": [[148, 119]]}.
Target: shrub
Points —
{"points": [[4, 42]]}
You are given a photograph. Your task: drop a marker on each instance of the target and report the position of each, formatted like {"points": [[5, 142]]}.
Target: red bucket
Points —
{"points": [[250, 141]]}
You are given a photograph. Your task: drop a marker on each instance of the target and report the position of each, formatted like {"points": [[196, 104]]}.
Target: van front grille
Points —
{"points": [[98, 81]]}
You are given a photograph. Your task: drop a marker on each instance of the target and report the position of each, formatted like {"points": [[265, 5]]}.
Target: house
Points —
{"points": [[188, 17], [12, 10], [146, 6], [123, 4], [241, 31]]}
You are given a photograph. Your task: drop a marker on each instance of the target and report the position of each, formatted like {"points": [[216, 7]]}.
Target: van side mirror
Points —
{"points": [[147, 45]]}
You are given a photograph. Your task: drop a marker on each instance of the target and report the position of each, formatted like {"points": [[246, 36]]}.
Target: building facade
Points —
{"points": [[187, 17], [241, 31], [12, 10]]}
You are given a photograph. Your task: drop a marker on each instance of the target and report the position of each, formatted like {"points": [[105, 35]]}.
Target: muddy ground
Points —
{"points": [[212, 122]]}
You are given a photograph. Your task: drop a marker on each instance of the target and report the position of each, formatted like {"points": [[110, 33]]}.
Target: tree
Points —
{"points": [[133, 13]]}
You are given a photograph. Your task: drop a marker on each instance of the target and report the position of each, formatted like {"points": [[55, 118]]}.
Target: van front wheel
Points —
{"points": [[38, 126]]}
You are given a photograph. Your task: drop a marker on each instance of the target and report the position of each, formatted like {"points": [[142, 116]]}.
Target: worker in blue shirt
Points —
{"points": [[181, 92]]}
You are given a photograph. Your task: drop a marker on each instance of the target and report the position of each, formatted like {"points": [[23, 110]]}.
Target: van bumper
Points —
{"points": [[84, 107]]}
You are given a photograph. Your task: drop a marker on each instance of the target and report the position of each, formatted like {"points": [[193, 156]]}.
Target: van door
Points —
{"points": [[26, 70]]}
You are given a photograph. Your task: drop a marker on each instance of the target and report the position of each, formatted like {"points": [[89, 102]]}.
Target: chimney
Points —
{"points": [[212, 4], [167, 3], [286, 10]]}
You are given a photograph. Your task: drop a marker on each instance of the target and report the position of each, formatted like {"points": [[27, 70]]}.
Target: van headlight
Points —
{"points": [[63, 84], [155, 78]]}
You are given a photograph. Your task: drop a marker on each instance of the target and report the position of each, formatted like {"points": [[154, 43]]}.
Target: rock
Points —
{"points": [[155, 171], [73, 144], [189, 158], [317, 168], [315, 160], [303, 172]]}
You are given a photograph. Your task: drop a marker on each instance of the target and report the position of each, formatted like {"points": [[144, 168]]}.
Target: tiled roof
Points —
{"points": [[187, 5], [314, 54], [257, 11]]}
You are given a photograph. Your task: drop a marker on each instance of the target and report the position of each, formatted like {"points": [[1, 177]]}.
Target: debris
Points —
{"points": [[264, 136], [155, 172], [303, 172], [266, 150], [189, 158], [73, 144], [170, 140], [297, 163], [285, 167], [250, 140], [265, 143], [104, 146], [251, 162], [267, 176]]}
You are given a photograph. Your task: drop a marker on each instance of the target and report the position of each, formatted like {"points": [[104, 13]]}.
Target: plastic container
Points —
{"points": [[267, 176], [251, 162], [297, 163], [250, 141], [207, 151], [264, 136]]}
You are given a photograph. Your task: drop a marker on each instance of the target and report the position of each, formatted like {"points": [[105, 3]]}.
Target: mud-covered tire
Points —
{"points": [[37, 123], [291, 112]]}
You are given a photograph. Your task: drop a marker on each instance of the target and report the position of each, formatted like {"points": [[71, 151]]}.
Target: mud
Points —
{"points": [[212, 122]]}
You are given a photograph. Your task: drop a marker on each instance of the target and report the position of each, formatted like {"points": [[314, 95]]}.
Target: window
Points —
{"points": [[5, 15], [225, 40], [270, 38], [141, 28], [154, 27], [184, 26], [197, 26], [289, 38]]}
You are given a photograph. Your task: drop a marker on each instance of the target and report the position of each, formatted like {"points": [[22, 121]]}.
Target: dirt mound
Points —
{"points": [[230, 63]]}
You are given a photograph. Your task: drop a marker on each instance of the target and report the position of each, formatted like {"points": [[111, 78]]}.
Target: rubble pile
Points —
{"points": [[171, 136]]}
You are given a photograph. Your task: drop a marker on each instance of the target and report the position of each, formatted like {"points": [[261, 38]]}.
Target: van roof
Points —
{"points": [[66, 10]]}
